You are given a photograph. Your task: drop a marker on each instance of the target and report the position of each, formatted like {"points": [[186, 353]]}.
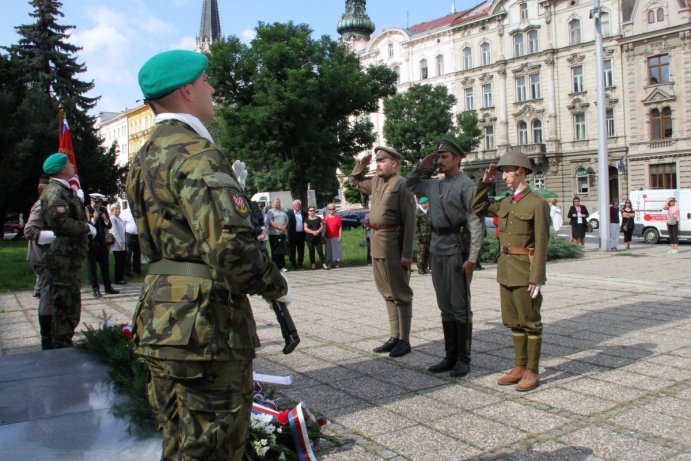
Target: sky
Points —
{"points": [[118, 36]]}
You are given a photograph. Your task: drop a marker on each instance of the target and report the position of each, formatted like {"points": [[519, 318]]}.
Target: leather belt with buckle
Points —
{"points": [[517, 251]]}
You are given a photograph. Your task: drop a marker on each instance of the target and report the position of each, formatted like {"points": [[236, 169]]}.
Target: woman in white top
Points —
{"points": [[118, 246], [555, 213]]}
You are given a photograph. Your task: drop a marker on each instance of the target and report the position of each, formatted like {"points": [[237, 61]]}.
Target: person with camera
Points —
{"points": [[98, 245]]}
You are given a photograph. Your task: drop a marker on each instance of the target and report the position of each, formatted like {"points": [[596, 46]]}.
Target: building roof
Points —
{"points": [[452, 19]]}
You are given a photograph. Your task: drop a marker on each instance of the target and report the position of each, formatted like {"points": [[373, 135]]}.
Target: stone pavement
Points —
{"points": [[616, 371]]}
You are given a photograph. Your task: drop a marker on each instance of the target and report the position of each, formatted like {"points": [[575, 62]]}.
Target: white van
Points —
{"points": [[651, 219]]}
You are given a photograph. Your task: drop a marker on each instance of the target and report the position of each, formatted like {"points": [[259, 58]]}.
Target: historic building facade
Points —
{"points": [[112, 129], [527, 68]]}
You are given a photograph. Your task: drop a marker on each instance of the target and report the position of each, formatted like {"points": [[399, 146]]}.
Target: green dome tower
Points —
{"points": [[355, 26]]}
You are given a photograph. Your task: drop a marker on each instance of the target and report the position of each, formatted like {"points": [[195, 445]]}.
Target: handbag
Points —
{"points": [[283, 248], [110, 239]]}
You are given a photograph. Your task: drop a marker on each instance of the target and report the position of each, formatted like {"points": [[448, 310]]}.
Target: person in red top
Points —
{"points": [[334, 226]]}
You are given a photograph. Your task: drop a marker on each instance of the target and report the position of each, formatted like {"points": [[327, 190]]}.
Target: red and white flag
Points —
{"points": [[67, 149]]}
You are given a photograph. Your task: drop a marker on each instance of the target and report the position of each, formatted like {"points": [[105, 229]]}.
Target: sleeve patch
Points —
{"points": [[240, 205]]}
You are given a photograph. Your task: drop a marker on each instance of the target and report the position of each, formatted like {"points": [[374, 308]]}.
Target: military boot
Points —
{"points": [[520, 346], [465, 337], [450, 348], [387, 346], [45, 324]]}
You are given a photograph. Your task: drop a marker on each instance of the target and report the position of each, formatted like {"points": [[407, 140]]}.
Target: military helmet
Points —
{"points": [[515, 158]]}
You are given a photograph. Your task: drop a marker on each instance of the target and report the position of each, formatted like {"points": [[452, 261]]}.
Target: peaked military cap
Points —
{"points": [[386, 152], [170, 70], [97, 197], [54, 163], [447, 145]]}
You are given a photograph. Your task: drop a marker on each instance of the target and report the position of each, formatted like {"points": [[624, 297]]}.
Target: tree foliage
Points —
{"points": [[39, 73], [294, 108]]}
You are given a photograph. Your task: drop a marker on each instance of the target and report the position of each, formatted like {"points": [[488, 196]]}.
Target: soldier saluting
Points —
{"points": [[193, 322], [524, 222], [454, 248]]}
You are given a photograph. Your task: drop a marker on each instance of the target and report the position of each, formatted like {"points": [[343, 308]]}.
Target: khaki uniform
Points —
{"points": [[63, 213], [392, 206], [522, 224], [193, 322], [423, 234]]}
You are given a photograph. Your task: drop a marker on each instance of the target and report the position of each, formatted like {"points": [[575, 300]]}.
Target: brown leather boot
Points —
{"points": [[528, 382], [512, 377]]}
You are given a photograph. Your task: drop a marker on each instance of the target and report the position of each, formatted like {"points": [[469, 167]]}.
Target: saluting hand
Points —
{"points": [[428, 162], [490, 173], [365, 161]]}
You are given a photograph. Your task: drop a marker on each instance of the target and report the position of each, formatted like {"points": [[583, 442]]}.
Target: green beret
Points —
{"points": [[170, 70], [54, 163], [423, 200], [386, 152], [447, 145]]}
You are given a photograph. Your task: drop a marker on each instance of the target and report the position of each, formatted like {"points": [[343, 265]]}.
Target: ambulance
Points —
{"points": [[651, 219]]}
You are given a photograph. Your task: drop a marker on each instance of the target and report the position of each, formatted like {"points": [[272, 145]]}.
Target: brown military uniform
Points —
{"points": [[392, 222], [523, 224]]}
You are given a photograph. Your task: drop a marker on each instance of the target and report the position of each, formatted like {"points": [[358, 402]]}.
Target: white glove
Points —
{"points": [[46, 237], [80, 194], [286, 298], [240, 170], [534, 291], [92, 230]]}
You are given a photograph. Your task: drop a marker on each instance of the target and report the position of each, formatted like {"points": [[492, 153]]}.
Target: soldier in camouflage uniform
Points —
{"points": [[63, 213], [423, 233], [193, 322]]}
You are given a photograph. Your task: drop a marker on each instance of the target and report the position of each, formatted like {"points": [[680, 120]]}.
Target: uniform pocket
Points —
{"points": [[169, 314], [243, 329], [521, 224]]}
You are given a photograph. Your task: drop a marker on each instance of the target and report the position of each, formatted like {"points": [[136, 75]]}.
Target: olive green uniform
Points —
{"points": [[523, 223], [63, 213], [193, 322], [423, 234], [392, 206]]}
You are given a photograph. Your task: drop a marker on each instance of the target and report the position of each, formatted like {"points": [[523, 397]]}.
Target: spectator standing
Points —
{"points": [[296, 234], [119, 245], [277, 222], [39, 244], [578, 218], [614, 225], [627, 224], [555, 214], [313, 237], [98, 248], [673, 218], [133, 259], [333, 226], [423, 233]]}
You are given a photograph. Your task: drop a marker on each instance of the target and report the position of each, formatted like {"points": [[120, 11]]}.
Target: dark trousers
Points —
{"points": [[98, 254], [313, 243], [133, 260], [297, 246], [120, 257], [279, 260]]}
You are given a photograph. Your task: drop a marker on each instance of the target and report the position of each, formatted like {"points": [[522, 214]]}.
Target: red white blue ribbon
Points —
{"points": [[299, 418]]}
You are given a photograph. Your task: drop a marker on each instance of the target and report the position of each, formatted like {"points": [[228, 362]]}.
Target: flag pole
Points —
{"points": [[61, 118]]}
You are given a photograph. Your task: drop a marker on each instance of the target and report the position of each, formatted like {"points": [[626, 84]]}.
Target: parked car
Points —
{"points": [[352, 219], [594, 220]]}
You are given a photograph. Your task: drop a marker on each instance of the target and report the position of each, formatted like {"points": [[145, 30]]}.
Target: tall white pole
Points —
{"points": [[602, 154]]}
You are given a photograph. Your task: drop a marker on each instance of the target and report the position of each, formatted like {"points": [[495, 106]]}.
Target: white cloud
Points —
{"points": [[185, 43], [247, 35]]}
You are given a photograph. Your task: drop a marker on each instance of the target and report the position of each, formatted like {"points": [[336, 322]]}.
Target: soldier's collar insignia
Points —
{"points": [[240, 205]]}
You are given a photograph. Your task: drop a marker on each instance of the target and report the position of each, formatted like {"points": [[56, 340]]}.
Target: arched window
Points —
{"points": [[574, 32], [440, 64], [537, 132], [485, 54], [423, 69], [661, 123], [522, 133], [517, 45], [467, 58], [660, 15], [651, 17], [533, 44]]}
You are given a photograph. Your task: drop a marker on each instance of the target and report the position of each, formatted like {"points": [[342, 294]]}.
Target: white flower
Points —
{"points": [[282, 457]]}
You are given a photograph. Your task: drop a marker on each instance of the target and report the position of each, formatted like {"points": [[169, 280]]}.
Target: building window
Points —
{"points": [[522, 133], [440, 65], [539, 180], [658, 69], [579, 126], [423, 69], [582, 181], [524, 10], [537, 132], [520, 89], [485, 54], [390, 50], [661, 123], [535, 86], [577, 78], [663, 176], [574, 32], [467, 58], [517, 45], [489, 137], [609, 78], [609, 117], [468, 99], [660, 15], [605, 25], [533, 45], [651, 17], [397, 69], [487, 95]]}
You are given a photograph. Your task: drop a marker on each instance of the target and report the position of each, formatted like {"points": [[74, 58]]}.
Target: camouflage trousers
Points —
{"points": [[66, 297], [202, 408], [422, 250]]}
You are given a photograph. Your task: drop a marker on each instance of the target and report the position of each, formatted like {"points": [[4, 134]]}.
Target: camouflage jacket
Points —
{"points": [[206, 220], [423, 226], [63, 213]]}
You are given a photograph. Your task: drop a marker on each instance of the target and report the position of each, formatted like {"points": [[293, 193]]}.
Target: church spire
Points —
{"points": [[355, 26], [210, 26]]}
